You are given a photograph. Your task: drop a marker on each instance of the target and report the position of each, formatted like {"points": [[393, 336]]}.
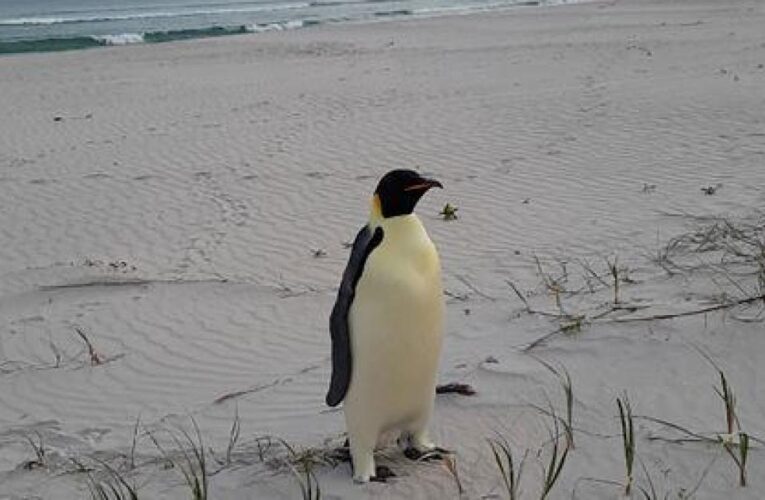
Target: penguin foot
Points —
{"points": [[342, 453], [382, 474], [434, 453]]}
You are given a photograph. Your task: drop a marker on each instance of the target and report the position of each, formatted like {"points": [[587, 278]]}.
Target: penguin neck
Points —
{"points": [[377, 219], [406, 227]]}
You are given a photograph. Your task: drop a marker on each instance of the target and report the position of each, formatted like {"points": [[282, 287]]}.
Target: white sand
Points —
{"points": [[215, 168]]}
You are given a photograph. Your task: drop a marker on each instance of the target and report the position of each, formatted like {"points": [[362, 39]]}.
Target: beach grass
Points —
{"points": [[188, 457], [38, 447], [557, 459], [114, 487], [628, 440], [509, 471], [566, 385], [302, 465]]}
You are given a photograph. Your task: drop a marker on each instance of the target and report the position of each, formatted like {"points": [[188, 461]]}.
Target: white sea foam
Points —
{"points": [[64, 19], [122, 39], [288, 25], [293, 24], [456, 9]]}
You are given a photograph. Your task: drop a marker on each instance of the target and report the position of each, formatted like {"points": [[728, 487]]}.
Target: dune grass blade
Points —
{"points": [[95, 358], [553, 471], [39, 450], [450, 462], [115, 488], [726, 394], [555, 464], [193, 465], [302, 463], [233, 436], [134, 442], [196, 475], [309, 483], [628, 440], [650, 493], [569, 391], [613, 267], [743, 454], [729, 400], [564, 379], [503, 457]]}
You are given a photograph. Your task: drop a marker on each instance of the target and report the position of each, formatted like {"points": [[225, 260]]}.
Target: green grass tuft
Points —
{"points": [[503, 458], [628, 440]]}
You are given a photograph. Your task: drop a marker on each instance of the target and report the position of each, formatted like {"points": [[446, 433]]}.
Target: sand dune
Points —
{"points": [[185, 207]]}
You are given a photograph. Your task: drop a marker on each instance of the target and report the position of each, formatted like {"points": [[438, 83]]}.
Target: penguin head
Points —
{"points": [[399, 191]]}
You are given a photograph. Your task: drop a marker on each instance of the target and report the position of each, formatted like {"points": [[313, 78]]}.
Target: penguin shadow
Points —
{"points": [[342, 454]]}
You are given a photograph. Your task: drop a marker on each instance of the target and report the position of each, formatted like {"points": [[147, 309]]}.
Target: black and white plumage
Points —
{"points": [[387, 325]]}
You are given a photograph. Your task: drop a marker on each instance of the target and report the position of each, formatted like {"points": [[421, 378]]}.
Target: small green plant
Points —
{"points": [[613, 267], [628, 440], [556, 461], [450, 462], [725, 392], [115, 487], [729, 400], [449, 212], [564, 379], [503, 458], [572, 324], [195, 469], [233, 435], [650, 493], [738, 451], [95, 358], [39, 450], [302, 465], [568, 424], [264, 444], [193, 463], [309, 483], [555, 286], [134, 443], [741, 458]]}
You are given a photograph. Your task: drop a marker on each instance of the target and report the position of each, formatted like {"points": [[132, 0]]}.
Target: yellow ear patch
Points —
{"points": [[375, 213]]}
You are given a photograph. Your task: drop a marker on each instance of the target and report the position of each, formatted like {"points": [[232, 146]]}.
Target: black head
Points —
{"points": [[400, 190]]}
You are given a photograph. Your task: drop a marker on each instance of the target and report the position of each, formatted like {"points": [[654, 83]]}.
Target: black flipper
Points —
{"points": [[365, 242]]}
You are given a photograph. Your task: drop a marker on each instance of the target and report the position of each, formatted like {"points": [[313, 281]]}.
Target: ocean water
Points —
{"points": [[50, 25]]}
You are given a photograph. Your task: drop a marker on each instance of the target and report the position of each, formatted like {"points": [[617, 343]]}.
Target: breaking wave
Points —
{"points": [[83, 42]]}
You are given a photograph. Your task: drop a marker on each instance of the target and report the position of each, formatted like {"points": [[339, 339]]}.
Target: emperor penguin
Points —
{"points": [[387, 327]]}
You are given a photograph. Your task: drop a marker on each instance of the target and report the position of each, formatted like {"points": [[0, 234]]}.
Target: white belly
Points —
{"points": [[396, 327]]}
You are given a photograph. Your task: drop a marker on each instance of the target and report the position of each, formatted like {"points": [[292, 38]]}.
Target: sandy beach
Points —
{"points": [[174, 221]]}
